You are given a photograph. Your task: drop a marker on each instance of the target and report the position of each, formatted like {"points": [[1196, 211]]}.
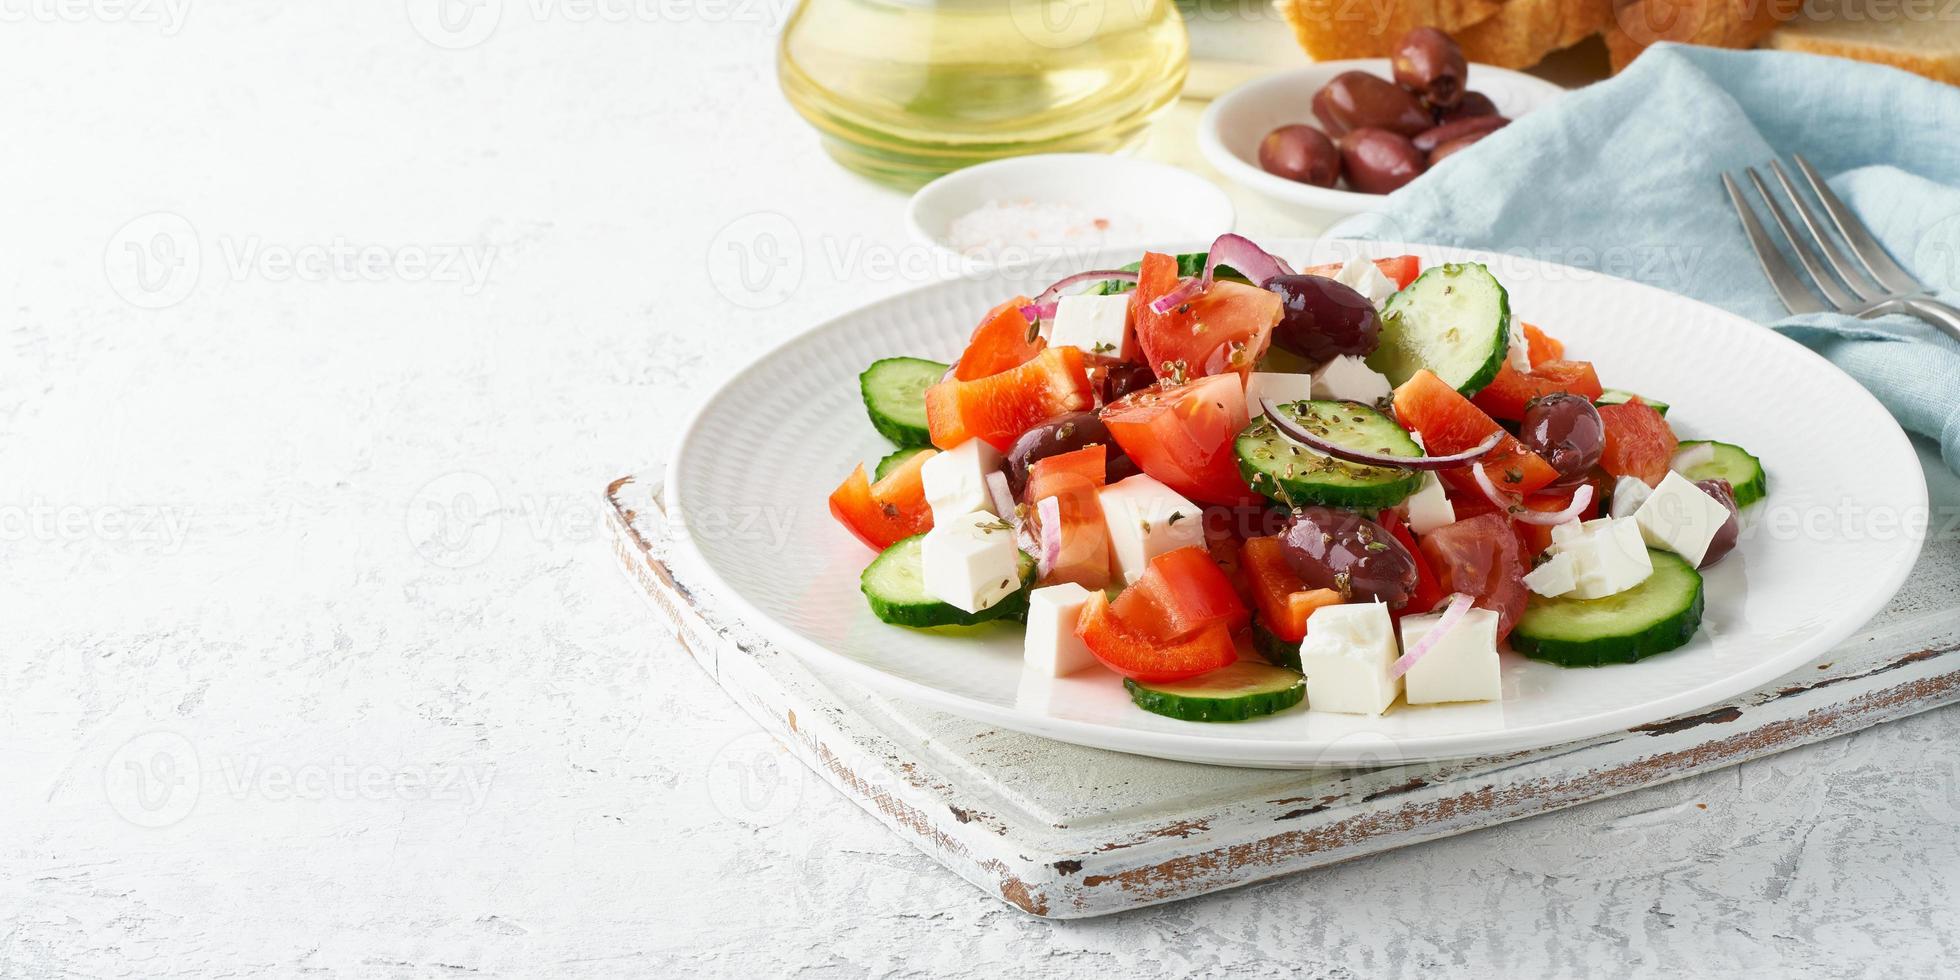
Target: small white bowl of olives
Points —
{"points": [[1337, 136]]}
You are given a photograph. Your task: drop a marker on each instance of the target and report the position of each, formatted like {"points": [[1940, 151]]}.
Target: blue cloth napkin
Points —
{"points": [[1623, 177]]}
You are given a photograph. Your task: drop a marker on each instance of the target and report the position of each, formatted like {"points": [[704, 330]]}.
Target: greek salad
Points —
{"points": [[1243, 487]]}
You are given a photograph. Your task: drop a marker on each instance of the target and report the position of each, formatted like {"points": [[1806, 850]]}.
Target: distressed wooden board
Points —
{"points": [[1064, 831]]}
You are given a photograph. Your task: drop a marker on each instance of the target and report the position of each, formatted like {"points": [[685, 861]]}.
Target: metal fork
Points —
{"points": [[1887, 289]]}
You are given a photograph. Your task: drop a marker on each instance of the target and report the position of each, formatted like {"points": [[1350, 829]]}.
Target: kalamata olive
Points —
{"points": [[1322, 319], [1358, 100], [1430, 139], [1472, 104], [1118, 380], [1429, 63], [1377, 161], [1566, 430], [1334, 549], [1063, 434], [1725, 536], [1300, 152], [1444, 152]]}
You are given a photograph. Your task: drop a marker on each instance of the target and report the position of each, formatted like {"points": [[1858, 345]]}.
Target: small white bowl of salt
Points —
{"points": [[1054, 209]]}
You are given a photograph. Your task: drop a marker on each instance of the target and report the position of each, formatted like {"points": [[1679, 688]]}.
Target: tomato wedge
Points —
{"points": [[1539, 347], [1004, 340], [1182, 591], [1072, 479], [1128, 651], [1508, 394], [1182, 435], [999, 407], [1403, 269], [1639, 442], [1226, 328], [1449, 423], [882, 513], [1429, 592], [1480, 558], [1284, 602]]}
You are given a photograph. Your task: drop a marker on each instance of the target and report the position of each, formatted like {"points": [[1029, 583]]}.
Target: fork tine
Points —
{"points": [[1783, 278], [1833, 293], [1867, 290], [1856, 235]]}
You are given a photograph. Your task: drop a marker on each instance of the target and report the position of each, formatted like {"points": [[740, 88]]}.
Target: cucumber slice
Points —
{"points": [[1455, 320], [1189, 265], [1734, 464], [1296, 476], [1244, 690], [895, 397], [1614, 396], [1653, 617], [891, 462], [895, 585], [1278, 652]]}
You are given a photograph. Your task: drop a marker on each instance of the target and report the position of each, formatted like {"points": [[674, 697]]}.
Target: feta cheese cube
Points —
{"points": [[1364, 277], [1629, 492], [1519, 355], [1347, 657], [1146, 519], [1349, 377], [1095, 324], [1428, 508], [970, 561], [956, 480], [1680, 517], [1608, 556], [1284, 388], [1462, 665], [1555, 577], [1052, 649]]}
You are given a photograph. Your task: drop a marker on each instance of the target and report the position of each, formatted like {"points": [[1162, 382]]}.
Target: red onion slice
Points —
{"points": [[1236, 251], [1581, 499], [1048, 514], [1001, 496], [1044, 305], [1459, 607], [1292, 430]]}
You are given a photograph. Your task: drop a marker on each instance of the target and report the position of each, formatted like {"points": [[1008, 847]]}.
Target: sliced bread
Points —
{"points": [[1925, 45]]}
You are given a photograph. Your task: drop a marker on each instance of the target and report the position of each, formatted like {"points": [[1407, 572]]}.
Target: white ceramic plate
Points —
{"points": [[1823, 553], [1231, 128], [1146, 202]]}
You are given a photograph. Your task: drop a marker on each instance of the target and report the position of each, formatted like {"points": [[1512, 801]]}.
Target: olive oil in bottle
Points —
{"points": [[906, 90]]}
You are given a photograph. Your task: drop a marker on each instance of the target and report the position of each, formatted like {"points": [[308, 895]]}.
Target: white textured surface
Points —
{"points": [[583, 811]]}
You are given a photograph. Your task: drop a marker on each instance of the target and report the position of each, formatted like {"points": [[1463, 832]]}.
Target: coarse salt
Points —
{"points": [[999, 225]]}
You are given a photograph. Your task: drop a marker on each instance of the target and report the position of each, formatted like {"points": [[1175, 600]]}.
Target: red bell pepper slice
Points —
{"points": [[1135, 654], [1000, 407], [1003, 341], [882, 513]]}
